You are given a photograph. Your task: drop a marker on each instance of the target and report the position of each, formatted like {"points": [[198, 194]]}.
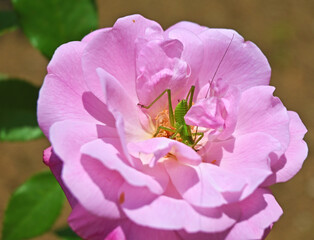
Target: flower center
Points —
{"points": [[162, 120], [164, 128]]}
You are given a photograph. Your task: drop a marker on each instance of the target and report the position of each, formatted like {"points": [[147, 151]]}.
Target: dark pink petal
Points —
{"points": [[205, 185], [111, 157], [243, 66], [246, 156], [260, 111], [259, 212], [66, 145], [93, 227], [56, 165], [174, 214], [159, 147], [116, 234], [136, 232], [204, 236], [267, 231], [114, 51]]}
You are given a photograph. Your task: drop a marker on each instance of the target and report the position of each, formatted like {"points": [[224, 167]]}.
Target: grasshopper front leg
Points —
{"points": [[191, 95], [171, 115], [164, 128]]}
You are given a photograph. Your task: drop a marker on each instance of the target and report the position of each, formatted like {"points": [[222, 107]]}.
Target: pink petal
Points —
{"points": [[260, 111], [97, 109], [230, 101], [172, 48], [67, 146], [123, 141], [159, 147], [134, 196], [206, 113], [297, 150], [157, 71], [216, 109], [66, 64], [205, 185], [118, 100], [193, 51], [190, 26], [246, 156], [243, 66], [175, 214], [291, 162], [114, 51], [110, 184], [89, 37], [64, 75], [110, 157], [259, 212]]}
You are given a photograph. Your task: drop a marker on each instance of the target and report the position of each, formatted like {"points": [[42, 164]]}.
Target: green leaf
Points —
{"points": [[66, 233], [33, 208], [18, 101], [8, 21], [50, 23]]}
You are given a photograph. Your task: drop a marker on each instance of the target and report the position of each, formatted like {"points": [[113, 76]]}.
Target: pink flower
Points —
{"points": [[126, 180]]}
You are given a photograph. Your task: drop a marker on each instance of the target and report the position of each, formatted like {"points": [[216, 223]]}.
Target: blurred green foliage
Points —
{"points": [[18, 101], [33, 207], [36, 204], [50, 23], [8, 21]]}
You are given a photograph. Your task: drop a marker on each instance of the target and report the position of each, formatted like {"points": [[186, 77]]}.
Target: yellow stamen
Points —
{"points": [[162, 119]]}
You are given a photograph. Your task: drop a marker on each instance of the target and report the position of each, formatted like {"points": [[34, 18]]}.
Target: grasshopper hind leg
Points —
{"points": [[201, 135]]}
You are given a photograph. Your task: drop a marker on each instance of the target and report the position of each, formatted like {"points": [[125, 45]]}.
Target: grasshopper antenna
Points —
{"points": [[219, 65]]}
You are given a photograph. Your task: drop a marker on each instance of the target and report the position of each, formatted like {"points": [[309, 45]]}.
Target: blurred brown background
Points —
{"points": [[284, 30]]}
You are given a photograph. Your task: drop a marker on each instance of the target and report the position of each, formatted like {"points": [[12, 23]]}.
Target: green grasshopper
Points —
{"points": [[177, 122], [177, 119]]}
